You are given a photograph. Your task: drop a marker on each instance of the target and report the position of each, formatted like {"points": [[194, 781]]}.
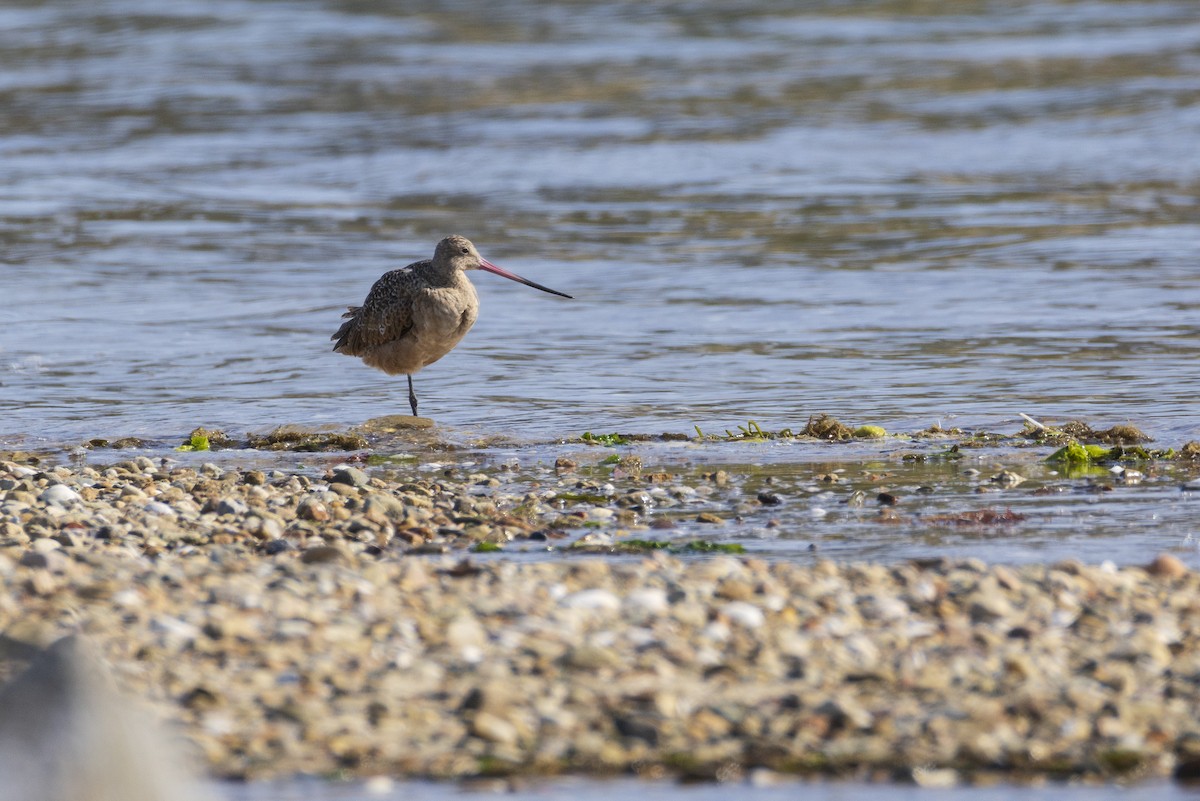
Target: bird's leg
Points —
{"points": [[412, 396]]}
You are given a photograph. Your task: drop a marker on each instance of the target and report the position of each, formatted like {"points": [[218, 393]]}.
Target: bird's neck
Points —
{"points": [[444, 276]]}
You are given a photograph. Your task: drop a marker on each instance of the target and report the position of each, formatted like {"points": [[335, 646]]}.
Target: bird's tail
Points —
{"points": [[342, 337]]}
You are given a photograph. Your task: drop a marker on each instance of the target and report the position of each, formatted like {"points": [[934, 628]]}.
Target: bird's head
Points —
{"points": [[457, 252]]}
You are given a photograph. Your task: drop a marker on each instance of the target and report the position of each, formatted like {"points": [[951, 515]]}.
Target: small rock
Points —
{"points": [[34, 559], [1008, 479], [744, 614], [493, 728], [231, 506], [276, 546], [322, 554], [59, 495], [935, 777], [591, 599], [159, 508], [349, 475], [592, 657], [769, 498], [647, 601], [1167, 566], [312, 509], [709, 517]]}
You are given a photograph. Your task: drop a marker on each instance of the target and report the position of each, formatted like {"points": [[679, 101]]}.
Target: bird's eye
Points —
{"points": [[466, 250]]}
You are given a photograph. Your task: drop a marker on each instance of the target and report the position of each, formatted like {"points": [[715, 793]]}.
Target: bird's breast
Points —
{"points": [[442, 316]]}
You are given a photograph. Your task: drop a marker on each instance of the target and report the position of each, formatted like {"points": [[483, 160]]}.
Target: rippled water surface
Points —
{"points": [[900, 213], [893, 212]]}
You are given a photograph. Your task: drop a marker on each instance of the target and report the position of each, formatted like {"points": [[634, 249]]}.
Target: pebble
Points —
{"points": [[231, 506], [306, 635], [595, 599], [352, 476], [744, 614], [59, 495]]}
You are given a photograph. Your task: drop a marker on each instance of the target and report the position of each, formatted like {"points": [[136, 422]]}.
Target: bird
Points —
{"points": [[415, 315]]}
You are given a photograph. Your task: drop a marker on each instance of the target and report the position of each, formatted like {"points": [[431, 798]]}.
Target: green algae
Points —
{"points": [[204, 439], [753, 432], [485, 546], [603, 439], [582, 497], [287, 438], [197, 442], [693, 546], [870, 432], [1077, 453], [706, 546]]}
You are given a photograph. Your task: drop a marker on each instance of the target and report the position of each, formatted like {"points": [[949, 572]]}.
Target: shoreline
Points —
{"points": [[285, 626]]}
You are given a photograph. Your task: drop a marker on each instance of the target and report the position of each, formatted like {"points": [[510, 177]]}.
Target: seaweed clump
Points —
{"points": [[1079, 431], [204, 439], [825, 427], [286, 438]]}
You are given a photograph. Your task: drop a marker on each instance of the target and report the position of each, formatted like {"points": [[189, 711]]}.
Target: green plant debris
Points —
{"points": [[753, 432], [644, 545], [694, 546], [286, 438], [581, 497], [936, 430], [870, 432], [486, 547], [613, 459], [825, 427], [604, 439], [704, 546], [1120, 760], [1075, 453], [1079, 431], [951, 454], [197, 442], [203, 439]]}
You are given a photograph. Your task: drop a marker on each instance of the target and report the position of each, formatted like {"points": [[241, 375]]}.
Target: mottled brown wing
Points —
{"points": [[385, 316]]}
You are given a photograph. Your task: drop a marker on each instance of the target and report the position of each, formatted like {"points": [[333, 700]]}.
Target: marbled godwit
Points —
{"points": [[416, 315]]}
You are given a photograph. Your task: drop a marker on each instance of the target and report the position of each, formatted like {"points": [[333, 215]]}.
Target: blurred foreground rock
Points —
{"points": [[65, 735]]}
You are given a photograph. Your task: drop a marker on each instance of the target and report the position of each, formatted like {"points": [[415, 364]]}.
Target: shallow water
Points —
{"points": [[584, 790], [893, 212]]}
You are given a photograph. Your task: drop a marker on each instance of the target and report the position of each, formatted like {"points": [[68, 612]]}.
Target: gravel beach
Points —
{"points": [[338, 626]]}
